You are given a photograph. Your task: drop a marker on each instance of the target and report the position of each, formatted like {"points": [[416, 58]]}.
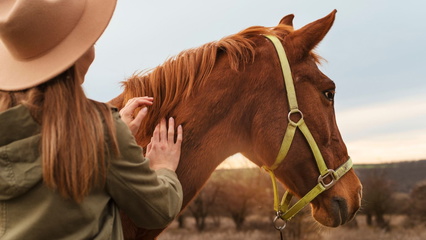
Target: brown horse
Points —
{"points": [[230, 97]]}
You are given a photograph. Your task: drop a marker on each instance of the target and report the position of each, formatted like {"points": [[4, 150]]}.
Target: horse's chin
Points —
{"points": [[333, 213]]}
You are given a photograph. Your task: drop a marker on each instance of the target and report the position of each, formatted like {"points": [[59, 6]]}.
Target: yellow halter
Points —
{"points": [[283, 209]]}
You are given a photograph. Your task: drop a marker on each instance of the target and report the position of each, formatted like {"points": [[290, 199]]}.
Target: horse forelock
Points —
{"points": [[175, 79]]}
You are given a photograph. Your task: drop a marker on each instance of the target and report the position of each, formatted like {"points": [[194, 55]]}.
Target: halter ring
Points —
{"points": [[277, 220], [292, 111]]}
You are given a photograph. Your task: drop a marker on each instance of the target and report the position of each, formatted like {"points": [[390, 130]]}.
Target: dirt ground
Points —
{"points": [[226, 231]]}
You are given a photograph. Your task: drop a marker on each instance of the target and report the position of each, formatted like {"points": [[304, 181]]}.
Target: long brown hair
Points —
{"points": [[76, 133]]}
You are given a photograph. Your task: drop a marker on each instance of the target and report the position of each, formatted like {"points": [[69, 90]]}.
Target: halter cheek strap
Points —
{"points": [[327, 177]]}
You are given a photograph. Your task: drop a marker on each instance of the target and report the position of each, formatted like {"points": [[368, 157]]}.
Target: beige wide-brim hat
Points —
{"points": [[40, 39]]}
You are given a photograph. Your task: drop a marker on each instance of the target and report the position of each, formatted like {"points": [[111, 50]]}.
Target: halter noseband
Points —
{"points": [[283, 209]]}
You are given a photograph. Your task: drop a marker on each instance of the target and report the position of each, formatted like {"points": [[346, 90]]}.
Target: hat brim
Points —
{"points": [[18, 75]]}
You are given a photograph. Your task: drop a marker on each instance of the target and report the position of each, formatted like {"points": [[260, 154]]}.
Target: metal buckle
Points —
{"points": [[330, 173]]}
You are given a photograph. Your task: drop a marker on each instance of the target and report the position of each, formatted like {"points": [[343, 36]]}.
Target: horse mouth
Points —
{"points": [[336, 214], [340, 211]]}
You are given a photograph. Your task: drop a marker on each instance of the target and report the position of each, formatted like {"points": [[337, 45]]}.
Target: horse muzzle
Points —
{"points": [[333, 210]]}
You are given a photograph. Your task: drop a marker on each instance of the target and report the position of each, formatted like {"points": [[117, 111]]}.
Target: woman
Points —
{"points": [[69, 163]]}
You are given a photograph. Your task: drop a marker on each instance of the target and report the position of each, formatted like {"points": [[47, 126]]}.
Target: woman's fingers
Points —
{"points": [[179, 135], [134, 103], [126, 113], [141, 114], [171, 131], [156, 134], [163, 130], [166, 134]]}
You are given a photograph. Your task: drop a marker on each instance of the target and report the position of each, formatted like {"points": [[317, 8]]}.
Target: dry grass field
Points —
{"points": [[363, 232], [398, 188], [315, 232]]}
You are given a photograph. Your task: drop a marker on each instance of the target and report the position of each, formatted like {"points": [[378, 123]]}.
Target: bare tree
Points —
{"points": [[417, 211], [377, 198], [204, 204], [244, 193]]}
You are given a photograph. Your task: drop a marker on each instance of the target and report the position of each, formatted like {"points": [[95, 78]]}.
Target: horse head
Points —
{"points": [[298, 169]]}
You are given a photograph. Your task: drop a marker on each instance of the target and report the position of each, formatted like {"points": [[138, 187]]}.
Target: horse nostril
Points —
{"points": [[340, 208]]}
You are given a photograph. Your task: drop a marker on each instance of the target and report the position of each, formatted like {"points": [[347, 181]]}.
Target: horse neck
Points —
{"points": [[215, 127]]}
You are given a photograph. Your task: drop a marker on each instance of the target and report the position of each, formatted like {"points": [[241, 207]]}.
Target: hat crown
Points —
{"points": [[30, 28], [39, 39]]}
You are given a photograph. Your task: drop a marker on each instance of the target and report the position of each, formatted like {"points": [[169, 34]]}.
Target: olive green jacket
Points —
{"points": [[30, 210]]}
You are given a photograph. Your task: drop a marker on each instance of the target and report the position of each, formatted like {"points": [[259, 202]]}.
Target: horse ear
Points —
{"points": [[287, 20], [309, 36]]}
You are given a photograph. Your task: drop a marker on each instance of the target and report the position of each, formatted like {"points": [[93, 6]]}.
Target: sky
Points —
{"points": [[375, 54]]}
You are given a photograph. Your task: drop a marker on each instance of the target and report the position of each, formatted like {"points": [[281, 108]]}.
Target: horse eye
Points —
{"points": [[329, 94]]}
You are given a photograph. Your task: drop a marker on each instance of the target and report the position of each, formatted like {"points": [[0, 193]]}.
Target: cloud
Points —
{"points": [[398, 114], [386, 132], [389, 148]]}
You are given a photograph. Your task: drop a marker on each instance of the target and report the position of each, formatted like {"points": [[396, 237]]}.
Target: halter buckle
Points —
{"points": [[330, 173]]}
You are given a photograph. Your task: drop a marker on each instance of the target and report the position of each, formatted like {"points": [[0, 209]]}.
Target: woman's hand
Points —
{"points": [[163, 151], [128, 110]]}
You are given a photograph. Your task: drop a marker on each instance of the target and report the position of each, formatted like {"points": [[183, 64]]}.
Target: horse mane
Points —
{"points": [[175, 79]]}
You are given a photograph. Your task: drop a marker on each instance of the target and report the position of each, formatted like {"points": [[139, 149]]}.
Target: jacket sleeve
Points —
{"points": [[152, 199]]}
